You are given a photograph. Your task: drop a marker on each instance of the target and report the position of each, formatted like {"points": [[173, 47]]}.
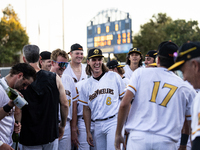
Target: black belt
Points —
{"points": [[105, 118], [91, 119]]}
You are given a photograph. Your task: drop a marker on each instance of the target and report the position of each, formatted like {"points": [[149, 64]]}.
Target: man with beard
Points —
{"points": [[20, 77]]}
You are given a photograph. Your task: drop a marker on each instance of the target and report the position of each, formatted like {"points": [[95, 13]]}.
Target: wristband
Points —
{"points": [[7, 108], [184, 139], [1, 143]]}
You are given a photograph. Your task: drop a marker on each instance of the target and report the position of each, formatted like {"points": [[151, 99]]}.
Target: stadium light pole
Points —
{"points": [[63, 24]]}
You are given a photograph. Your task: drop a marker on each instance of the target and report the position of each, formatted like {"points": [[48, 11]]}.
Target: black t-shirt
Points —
{"points": [[40, 116]]}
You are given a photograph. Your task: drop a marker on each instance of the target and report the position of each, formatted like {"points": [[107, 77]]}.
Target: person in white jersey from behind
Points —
{"points": [[101, 94], [161, 102], [59, 63], [188, 61], [133, 61], [76, 70]]}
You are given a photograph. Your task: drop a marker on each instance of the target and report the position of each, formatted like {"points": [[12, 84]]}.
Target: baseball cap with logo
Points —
{"points": [[76, 47], [45, 55], [186, 52], [167, 49], [151, 53], [114, 63], [95, 52], [136, 50]]}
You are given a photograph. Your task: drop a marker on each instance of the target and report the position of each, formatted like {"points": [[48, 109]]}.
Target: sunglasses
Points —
{"points": [[62, 64]]}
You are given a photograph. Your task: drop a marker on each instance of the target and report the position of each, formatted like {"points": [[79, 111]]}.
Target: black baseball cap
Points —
{"points": [[45, 55], [114, 63], [186, 52], [76, 47], [151, 53], [95, 52], [136, 50], [167, 49]]}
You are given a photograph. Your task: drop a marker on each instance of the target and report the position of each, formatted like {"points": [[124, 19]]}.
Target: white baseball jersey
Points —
{"points": [[70, 72], [126, 81], [70, 91], [128, 71], [162, 100], [7, 123], [196, 117], [103, 96]]}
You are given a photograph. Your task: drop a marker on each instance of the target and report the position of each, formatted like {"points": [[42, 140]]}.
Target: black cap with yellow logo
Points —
{"points": [[95, 52], [134, 50], [186, 52]]}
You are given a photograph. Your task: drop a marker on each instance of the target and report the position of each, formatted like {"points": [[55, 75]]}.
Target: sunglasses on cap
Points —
{"points": [[62, 64]]}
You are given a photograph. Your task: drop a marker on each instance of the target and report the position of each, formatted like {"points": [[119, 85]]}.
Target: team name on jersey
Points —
{"points": [[68, 93], [101, 91]]}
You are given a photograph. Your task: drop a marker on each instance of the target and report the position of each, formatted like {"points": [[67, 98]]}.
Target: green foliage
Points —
{"points": [[162, 28], [180, 31], [12, 37], [152, 33]]}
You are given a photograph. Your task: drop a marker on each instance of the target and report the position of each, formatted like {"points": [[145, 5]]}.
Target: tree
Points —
{"points": [[12, 37], [162, 28], [180, 31], [152, 33]]}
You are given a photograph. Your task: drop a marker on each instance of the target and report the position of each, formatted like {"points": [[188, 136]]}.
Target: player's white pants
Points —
{"points": [[139, 140], [82, 137], [65, 142], [50, 146], [104, 134]]}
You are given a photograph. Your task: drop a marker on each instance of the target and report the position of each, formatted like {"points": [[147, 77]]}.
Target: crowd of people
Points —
{"points": [[103, 106]]}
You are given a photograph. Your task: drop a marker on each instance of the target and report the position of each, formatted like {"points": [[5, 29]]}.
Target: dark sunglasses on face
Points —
{"points": [[62, 64]]}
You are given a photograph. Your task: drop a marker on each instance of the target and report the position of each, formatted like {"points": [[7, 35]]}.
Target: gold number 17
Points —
{"points": [[167, 97]]}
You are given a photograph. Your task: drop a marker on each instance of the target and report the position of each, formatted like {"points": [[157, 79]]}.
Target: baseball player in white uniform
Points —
{"points": [[133, 61], [60, 62], [161, 102], [82, 136], [70, 90], [188, 61], [100, 96], [76, 70], [20, 77]]}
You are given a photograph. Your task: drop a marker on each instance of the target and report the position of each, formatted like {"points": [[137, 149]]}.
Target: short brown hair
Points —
{"points": [[59, 52]]}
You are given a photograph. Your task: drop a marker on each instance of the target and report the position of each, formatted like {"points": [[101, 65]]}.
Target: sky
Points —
{"points": [[43, 19]]}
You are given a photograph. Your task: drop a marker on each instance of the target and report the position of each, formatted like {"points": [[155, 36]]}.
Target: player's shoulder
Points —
{"points": [[112, 74], [66, 77]]}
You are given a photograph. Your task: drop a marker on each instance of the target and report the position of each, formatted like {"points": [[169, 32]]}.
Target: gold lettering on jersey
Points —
{"points": [[68, 93], [101, 91]]}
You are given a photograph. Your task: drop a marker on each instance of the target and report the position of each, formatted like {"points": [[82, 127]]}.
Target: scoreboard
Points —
{"points": [[110, 37]]}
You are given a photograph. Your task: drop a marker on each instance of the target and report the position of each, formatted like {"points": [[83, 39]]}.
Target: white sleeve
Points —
{"points": [[121, 86], [133, 84], [196, 117], [83, 98]]}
